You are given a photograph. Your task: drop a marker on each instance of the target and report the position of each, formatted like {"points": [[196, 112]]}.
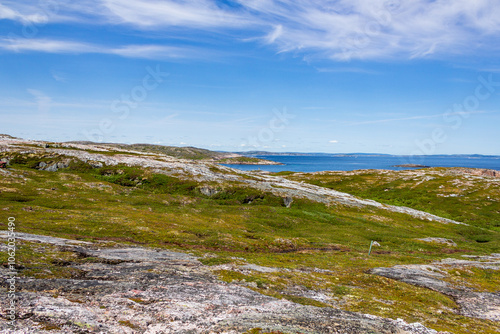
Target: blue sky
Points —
{"points": [[387, 76]]}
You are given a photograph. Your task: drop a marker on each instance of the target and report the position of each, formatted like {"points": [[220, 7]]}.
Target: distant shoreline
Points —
{"points": [[308, 163], [259, 163], [411, 166]]}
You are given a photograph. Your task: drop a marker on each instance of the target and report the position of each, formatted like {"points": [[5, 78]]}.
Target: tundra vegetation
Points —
{"points": [[318, 248]]}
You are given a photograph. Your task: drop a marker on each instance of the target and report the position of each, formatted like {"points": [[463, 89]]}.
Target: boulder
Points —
{"points": [[448, 242], [51, 168], [209, 191], [287, 201], [95, 164]]}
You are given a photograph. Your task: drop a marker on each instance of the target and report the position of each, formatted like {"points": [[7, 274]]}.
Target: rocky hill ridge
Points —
{"points": [[201, 171]]}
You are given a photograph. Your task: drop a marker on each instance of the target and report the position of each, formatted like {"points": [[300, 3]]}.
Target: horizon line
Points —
{"points": [[256, 150]]}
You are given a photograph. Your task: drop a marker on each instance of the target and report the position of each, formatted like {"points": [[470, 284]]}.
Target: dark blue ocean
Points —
{"points": [[323, 162]]}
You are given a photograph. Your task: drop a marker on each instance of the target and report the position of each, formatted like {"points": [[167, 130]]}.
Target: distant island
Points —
{"points": [[266, 153], [411, 166], [240, 160]]}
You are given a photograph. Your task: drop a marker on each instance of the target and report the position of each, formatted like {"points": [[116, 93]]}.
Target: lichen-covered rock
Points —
{"points": [[288, 201], [448, 242], [53, 166], [482, 305], [139, 290], [209, 191]]}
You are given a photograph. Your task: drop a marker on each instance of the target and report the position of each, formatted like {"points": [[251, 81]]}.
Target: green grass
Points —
{"points": [[132, 205], [444, 192]]}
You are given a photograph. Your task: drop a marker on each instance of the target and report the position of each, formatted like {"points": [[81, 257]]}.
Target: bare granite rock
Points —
{"points": [[139, 290], [481, 172], [482, 305], [209, 191], [44, 239], [288, 201], [448, 242]]}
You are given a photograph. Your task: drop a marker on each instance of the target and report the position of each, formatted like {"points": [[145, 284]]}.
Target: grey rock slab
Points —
{"points": [[51, 168], [44, 239], [259, 268], [140, 254], [209, 191], [422, 276], [139, 290], [484, 262], [482, 305], [440, 241]]}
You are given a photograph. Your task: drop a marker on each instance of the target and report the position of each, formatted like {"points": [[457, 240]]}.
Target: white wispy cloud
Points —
{"points": [[46, 45], [412, 118], [153, 51], [491, 70], [43, 101], [340, 30], [275, 34], [370, 29], [188, 13], [9, 13], [60, 77], [75, 47], [347, 70], [36, 14]]}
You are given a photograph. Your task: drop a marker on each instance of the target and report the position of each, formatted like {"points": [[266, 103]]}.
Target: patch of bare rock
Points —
{"points": [[445, 241], [480, 172], [482, 305], [139, 290]]}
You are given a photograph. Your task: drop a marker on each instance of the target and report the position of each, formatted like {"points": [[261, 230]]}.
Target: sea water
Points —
{"points": [[341, 162]]}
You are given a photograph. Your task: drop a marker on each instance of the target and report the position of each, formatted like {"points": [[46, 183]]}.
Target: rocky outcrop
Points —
{"points": [[481, 172], [139, 290], [445, 241], [482, 305], [208, 172], [209, 191], [53, 166]]}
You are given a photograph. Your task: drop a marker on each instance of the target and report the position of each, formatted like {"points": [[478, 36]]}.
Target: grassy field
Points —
{"points": [[444, 192], [324, 248]]}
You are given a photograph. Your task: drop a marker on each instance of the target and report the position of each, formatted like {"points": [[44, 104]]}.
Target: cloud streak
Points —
{"points": [[75, 47], [43, 101], [338, 30], [419, 117], [14, 15], [199, 14], [375, 29]]}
